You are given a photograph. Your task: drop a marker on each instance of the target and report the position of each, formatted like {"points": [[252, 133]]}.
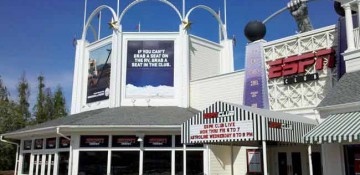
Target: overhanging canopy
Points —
{"points": [[225, 122], [342, 127]]}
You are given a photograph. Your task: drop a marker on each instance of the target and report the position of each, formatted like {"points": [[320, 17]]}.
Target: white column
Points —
{"points": [[264, 157], [349, 27], [310, 160]]}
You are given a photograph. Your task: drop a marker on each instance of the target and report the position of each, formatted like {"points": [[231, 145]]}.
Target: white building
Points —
{"points": [[171, 103]]}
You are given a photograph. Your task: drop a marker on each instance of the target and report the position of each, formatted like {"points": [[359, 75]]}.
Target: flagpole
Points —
{"points": [[118, 8], [99, 27], [225, 13], [183, 8], [219, 13], [139, 27], [85, 7]]}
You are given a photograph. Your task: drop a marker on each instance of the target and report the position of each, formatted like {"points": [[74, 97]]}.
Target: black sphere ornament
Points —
{"points": [[255, 30], [338, 9]]}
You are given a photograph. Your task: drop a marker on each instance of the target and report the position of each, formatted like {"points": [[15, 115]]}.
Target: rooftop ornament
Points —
{"points": [[256, 30]]}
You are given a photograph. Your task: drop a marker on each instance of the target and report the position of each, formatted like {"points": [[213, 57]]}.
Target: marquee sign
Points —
{"points": [[292, 68], [222, 131], [246, 125]]}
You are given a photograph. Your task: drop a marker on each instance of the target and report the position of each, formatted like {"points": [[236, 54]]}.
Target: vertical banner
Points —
{"points": [[99, 74], [255, 94], [150, 69]]}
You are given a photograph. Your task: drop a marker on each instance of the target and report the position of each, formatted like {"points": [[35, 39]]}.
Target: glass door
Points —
{"points": [[42, 164]]}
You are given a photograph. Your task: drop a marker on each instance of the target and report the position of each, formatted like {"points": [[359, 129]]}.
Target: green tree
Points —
{"points": [[39, 107], [23, 97], [59, 104], [49, 104], [8, 122]]}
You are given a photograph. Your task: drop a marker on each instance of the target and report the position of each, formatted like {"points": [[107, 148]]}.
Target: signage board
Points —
{"points": [[94, 141], [125, 141], [150, 69], [64, 142], [294, 66], [254, 161], [255, 92], [219, 114], [221, 131], [27, 144], [38, 143], [98, 85], [158, 141], [278, 125], [50, 143]]}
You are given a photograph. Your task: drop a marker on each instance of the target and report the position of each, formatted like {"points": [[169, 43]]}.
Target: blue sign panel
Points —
{"points": [[150, 69], [255, 93]]}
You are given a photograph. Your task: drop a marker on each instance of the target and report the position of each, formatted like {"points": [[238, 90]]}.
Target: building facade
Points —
{"points": [[145, 103]]}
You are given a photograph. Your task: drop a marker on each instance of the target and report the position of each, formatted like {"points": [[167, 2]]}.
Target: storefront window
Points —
{"points": [[179, 162], [63, 163], [194, 162], [352, 159], [93, 162], [125, 162], [157, 162], [26, 164]]}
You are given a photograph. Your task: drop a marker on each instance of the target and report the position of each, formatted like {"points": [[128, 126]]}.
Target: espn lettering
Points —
{"points": [[297, 64]]}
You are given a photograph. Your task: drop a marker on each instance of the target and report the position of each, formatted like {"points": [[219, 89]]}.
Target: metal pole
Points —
{"points": [[232, 159], [183, 8], [310, 160], [85, 7], [99, 27], [225, 18], [264, 157], [118, 8]]}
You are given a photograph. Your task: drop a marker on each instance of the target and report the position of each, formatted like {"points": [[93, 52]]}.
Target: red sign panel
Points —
{"points": [[297, 64]]}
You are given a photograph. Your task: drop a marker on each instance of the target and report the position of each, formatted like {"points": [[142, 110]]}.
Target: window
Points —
{"points": [[63, 163], [125, 162], [157, 162], [26, 163], [179, 162], [93, 162], [194, 162]]}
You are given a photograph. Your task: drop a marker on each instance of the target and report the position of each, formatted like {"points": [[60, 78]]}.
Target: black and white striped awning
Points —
{"points": [[342, 127], [225, 122]]}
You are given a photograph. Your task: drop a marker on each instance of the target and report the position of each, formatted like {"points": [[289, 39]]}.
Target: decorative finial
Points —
{"points": [[113, 25], [187, 24]]}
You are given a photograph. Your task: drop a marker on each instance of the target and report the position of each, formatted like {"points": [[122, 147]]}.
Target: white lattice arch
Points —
{"points": [[210, 10], [139, 1], [93, 14]]}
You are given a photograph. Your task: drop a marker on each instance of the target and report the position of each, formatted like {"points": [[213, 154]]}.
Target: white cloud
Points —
{"points": [[149, 91]]}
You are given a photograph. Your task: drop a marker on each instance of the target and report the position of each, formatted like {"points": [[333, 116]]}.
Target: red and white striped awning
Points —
{"points": [[224, 122]]}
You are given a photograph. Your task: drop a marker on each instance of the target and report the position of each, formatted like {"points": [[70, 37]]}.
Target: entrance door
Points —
{"points": [[316, 163], [296, 163], [42, 164], [282, 159]]}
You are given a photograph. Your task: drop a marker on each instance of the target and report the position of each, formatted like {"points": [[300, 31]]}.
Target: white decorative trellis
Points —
{"points": [[306, 94]]}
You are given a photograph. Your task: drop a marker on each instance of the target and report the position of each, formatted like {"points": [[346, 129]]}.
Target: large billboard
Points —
{"points": [[99, 74], [150, 69]]}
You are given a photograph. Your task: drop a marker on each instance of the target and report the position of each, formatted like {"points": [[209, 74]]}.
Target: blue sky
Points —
{"points": [[36, 36]]}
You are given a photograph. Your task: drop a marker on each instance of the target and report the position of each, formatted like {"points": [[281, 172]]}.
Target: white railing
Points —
{"points": [[357, 38]]}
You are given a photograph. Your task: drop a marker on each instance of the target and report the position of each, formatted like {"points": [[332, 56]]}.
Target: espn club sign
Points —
{"points": [[219, 114], [293, 68]]}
